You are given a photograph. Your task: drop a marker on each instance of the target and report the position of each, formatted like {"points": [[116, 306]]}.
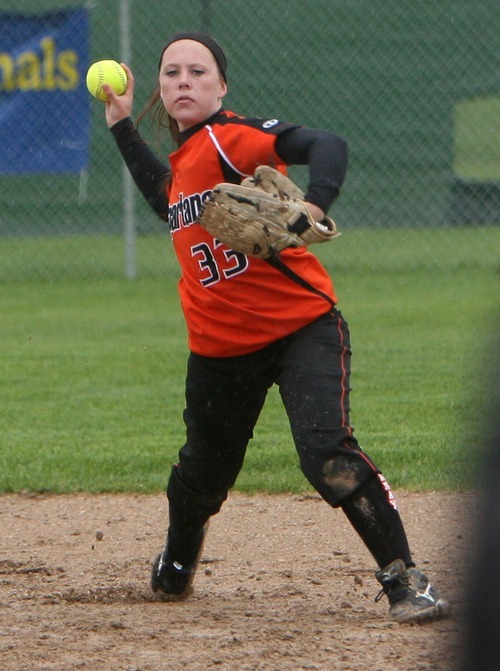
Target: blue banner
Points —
{"points": [[44, 103]]}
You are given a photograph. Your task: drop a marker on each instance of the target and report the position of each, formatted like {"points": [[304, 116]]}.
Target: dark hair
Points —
{"points": [[156, 111], [159, 116]]}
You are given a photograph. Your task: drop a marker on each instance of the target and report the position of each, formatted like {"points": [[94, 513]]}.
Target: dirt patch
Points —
{"points": [[284, 584]]}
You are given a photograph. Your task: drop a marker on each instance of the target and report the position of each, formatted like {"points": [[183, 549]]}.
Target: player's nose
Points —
{"points": [[184, 79]]}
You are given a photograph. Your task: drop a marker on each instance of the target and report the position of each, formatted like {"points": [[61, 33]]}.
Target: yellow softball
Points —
{"points": [[106, 72]]}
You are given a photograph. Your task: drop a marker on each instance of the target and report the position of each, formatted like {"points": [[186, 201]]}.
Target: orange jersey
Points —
{"points": [[234, 304]]}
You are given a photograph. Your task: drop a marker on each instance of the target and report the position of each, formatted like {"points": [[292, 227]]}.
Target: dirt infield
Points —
{"points": [[284, 584]]}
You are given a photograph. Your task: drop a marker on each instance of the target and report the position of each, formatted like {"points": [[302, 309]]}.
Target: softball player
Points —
{"points": [[252, 323]]}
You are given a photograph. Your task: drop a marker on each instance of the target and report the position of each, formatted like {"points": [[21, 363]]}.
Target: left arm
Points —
{"points": [[326, 155]]}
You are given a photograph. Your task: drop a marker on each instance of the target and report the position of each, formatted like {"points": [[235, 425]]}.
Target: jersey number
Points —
{"points": [[211, 272]]}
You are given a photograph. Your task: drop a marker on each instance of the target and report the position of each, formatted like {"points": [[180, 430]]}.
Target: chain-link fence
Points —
{"points": [[413, 86]]}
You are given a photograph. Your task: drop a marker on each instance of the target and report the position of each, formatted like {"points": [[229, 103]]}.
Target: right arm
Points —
{"points": [[148, 172]]}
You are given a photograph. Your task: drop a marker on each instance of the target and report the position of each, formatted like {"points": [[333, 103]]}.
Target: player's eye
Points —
{"points": [[198, 71], [170, 72]]}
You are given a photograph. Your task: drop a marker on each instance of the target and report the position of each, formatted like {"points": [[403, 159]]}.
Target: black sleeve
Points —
{"points": [[326, 155], [149, 173]]}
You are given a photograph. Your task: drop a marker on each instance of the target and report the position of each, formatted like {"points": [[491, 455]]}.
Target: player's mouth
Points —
{"points": [[183, 99]]}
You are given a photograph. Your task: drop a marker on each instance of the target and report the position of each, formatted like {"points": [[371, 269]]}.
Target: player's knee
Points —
{"points": [[339, 477]]}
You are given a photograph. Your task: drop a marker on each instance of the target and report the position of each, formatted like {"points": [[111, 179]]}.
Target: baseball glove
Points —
{"points": [[263, 215]]}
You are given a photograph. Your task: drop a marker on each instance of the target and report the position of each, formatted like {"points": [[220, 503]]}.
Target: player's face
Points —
{"points": [[191, 87]]}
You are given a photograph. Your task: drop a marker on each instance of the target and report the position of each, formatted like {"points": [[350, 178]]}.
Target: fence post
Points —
{"points": [[127, 182]]}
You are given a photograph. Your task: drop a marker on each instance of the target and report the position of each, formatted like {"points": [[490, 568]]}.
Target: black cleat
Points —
{"points": [[411, 596], [172, 578]]}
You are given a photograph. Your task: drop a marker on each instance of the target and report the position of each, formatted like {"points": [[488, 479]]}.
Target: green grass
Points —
{"points": [[358, 250], [92, 381], [418, 369], [91, 385]]}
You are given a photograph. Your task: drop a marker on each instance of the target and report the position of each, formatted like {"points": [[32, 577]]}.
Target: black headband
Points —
{"points": [[207, 41]]}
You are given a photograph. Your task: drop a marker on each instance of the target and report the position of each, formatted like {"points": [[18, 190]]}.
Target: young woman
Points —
{"points": [[253, 323]]}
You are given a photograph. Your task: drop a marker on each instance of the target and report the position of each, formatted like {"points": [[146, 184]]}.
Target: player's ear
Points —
{"points": [[222, 88]]}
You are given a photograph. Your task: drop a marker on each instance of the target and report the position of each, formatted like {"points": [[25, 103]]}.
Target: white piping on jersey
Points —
{"points": [[222, 153]]}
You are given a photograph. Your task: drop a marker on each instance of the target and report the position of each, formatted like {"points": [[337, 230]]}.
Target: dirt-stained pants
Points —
{"points": [[224, 397]]}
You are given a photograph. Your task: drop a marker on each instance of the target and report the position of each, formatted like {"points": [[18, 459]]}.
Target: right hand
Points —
{"points": [[119, 107]]}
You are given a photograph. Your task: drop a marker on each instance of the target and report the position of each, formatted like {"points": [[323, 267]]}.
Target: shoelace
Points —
{"points": [[386, 590]]}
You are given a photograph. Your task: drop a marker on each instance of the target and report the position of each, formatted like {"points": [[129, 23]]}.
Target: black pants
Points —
{"points": [[224, 397]]}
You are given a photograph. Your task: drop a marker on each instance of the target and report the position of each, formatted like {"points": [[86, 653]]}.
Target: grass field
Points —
{"points": [[92, 376], [358, 251]]}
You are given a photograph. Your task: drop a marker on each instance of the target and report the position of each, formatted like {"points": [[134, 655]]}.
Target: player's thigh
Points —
{"points": [[224, 398], [315, 384]]}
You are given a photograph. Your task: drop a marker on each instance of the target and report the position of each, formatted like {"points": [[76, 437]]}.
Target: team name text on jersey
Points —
{"points": [[186, 210]]}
